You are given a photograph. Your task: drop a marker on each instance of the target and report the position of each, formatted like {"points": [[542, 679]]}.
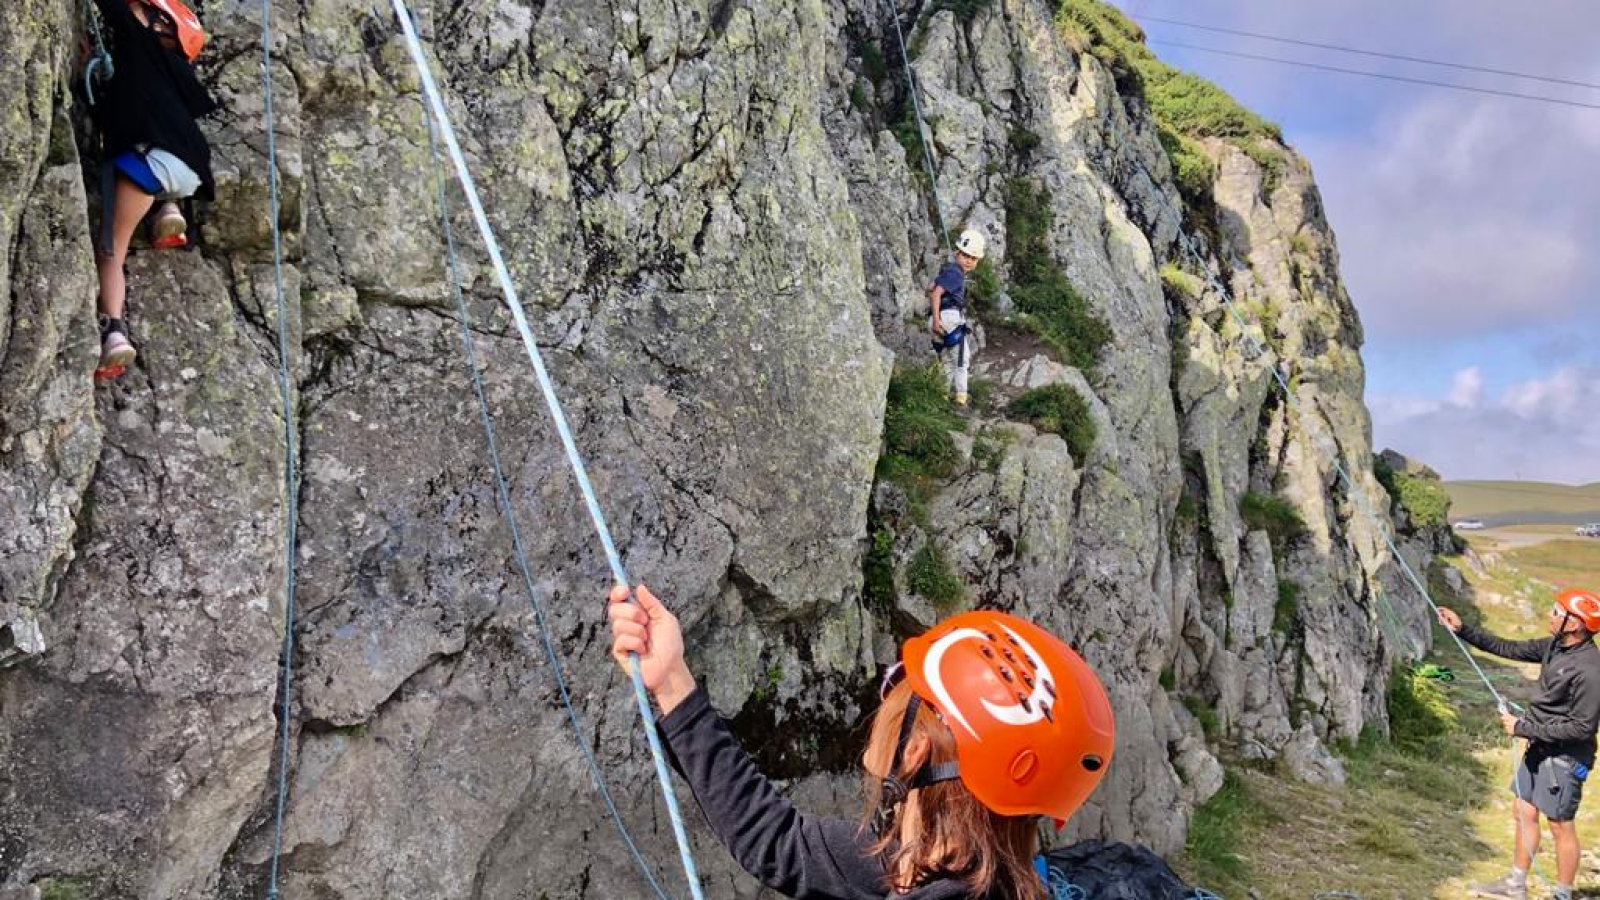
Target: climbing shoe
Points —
{"points": [[1506, 887], [116, 354], [962, 400], [168, 228]]}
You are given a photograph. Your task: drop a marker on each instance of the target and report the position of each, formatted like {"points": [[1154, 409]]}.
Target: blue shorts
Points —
{"points": [[137, 169], [158, 173]]}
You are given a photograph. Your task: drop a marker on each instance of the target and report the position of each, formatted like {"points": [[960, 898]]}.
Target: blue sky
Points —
{"points": [[1468, 225]]}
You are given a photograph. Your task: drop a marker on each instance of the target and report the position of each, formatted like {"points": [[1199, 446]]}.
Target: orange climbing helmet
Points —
{"points": [[186, 25], [1032, 724], [1581, 605]]}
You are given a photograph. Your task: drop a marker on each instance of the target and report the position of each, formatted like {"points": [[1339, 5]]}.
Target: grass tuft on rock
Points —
{"points": [[1274, 515], [1047, 304], [917, 446], [1186, 107], [930, 576], [1058, 409]]}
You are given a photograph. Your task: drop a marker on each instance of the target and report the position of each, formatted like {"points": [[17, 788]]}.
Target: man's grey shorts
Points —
{"points": [[1549, 785]]}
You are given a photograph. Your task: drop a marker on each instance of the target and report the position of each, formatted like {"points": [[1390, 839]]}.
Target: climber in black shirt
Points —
{"points": [[1559, 725], [152, 147], [987, 723]]}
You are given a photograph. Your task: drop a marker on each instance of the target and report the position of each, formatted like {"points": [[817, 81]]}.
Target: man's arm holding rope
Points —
{"points": [[1520, 651]]}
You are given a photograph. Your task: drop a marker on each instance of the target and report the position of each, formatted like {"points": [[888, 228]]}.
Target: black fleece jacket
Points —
{"points": [[799, 855], [1563, 718], [154, 98]]}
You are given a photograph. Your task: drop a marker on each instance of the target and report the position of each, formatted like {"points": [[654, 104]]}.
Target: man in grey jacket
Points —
{"points": [[1559, 725]]}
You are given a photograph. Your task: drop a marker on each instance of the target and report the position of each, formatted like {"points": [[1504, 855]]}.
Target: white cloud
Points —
{"points": [[1467, 389], [1543, 429], [1458, 217]]}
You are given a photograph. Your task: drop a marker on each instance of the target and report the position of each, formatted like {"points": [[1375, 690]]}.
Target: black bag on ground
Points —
{"points": [[1105, 871]]}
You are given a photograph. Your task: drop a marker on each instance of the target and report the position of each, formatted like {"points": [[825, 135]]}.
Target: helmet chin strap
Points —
{"points": [[894, 791]]}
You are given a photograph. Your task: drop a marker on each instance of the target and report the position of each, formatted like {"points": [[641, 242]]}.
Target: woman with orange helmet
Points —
{"points": [[1559, 724], [987, 723], [152, 148]]}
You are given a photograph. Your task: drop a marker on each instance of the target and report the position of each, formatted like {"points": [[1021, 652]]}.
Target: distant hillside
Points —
{"points": [[1513, 502]]}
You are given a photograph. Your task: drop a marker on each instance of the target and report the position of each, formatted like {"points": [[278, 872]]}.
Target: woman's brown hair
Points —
{"points": [[942, 831]]}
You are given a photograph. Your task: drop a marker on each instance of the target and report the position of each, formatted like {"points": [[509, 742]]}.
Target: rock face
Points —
{"points": [[720, 247]]}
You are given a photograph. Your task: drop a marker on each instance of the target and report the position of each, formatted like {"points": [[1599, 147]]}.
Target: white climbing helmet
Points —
{"points": [[971, 243]]}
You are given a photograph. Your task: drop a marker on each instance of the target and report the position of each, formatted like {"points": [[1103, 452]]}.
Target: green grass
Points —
{"points": [[1185, 106], [1181, 283], [1047, 303], [1210, 724], [905, 130], [930, 576], [1024, 142], [918, 449], [865, 46], [1058, 409], [1474, 499], [990, 446], [1424, 499], [1419, 711], [918, 452], [982, 393], [877, 570], [1274, 515], [1561, 563], [1287, 609], [1217, 832], [1192, 169], [1188, 510]]}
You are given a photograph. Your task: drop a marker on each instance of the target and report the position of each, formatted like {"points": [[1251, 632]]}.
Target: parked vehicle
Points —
{"points": [[1590, 530], [1468, 525]]}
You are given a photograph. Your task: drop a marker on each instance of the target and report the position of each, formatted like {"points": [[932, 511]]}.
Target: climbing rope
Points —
{"points": [[1355, 490], [101, 65], [290, 453], [503, 491], [924, 135], [580, 473]]}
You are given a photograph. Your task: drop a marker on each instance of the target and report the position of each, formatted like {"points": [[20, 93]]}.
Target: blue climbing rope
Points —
{"points": [[580, 473], [1355, 490], [1061, 887], [101, 65], [503, 491], [290, 454], [924, 135]]}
